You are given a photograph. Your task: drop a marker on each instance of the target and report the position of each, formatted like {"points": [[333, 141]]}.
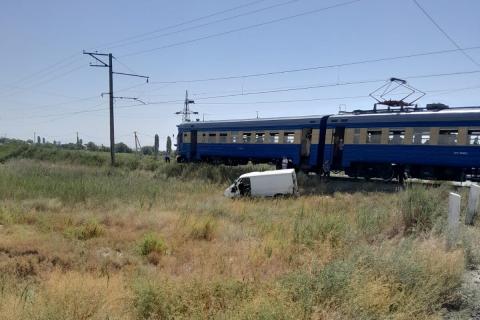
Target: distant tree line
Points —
{"points": [[91, 146]]}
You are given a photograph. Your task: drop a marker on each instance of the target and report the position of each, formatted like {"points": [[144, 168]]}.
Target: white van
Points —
{"points": [[264, 184]]}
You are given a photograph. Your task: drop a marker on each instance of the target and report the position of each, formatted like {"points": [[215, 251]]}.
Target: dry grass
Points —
{"points": [[93, 243]]}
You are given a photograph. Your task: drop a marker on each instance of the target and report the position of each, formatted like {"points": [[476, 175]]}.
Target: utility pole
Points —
{"points": [[110, 94], [137, 142], [186, 112], [109, 65]]}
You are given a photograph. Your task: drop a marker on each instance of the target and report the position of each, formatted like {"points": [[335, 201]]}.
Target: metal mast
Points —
{"points": [[186, 112]]}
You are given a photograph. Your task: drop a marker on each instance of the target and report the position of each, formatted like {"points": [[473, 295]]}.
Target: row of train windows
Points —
{"points": [[249, 137], [420, 136]]}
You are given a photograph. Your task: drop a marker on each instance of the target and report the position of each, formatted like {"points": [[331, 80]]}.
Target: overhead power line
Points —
{"points": [[286, 71], [47, 70], [445, 34], [438, 92], [257, 25], [251, 93], [59, 64], [20, 89], [141, 35], [206, 24], [301, 88]]}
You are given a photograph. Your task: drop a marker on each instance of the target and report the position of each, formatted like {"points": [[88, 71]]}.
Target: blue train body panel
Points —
{"points": [[450, 156], [324, 153], [245, 151]]}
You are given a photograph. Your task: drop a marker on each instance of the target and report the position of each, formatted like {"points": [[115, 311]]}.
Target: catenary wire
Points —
{"points": [[445, 33], [257, 25], [286, 71], [206, 24]]}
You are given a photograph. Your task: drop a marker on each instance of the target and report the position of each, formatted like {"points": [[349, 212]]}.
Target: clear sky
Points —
{"points": [[47, 87]]}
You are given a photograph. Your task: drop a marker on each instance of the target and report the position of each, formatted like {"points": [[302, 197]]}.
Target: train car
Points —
{"points": [[433, 143], [298, 139]]}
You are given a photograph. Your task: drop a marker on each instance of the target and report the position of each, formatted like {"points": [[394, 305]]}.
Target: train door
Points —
{"points": [[321, 143], [306, 142], [338, 140], [193, 145]]}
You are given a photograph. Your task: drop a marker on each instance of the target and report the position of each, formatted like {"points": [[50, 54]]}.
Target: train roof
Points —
{"points": [[421, 115], [456, 114], [313, 119]]}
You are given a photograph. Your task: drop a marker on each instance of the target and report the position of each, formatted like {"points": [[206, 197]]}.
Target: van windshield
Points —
{"points": [[244, 186]]}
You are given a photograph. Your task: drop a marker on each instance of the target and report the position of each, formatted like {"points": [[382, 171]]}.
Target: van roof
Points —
{"points": [[267, 173]]}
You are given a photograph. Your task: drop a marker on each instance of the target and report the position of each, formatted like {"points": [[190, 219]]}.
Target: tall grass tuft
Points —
{"points": [[421, 208], [203, 229], [152, 243]]}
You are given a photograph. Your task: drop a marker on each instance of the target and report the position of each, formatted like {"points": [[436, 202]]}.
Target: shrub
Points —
{"points": [[86, 231], [421, 208], [203, 230], [193, 299], [151, 301], [471, 244], [310, 227], [371, 220], [320, 286], [406, 281], [152, 243]]}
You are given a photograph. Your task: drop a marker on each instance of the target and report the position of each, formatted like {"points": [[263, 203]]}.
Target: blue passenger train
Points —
{"points": [[436, 142]]}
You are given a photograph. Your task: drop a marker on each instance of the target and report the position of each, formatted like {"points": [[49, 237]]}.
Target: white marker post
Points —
{"points": [[454, 201], [473, 201]]}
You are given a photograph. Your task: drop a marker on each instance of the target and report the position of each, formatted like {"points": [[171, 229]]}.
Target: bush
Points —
{"points": [[371, 220], [152, 243], [151, 301], [320, 286], [207, 172], [86, 231], [194, 299], [409, 281], [310, 227], [203, 230], [421, 208]]}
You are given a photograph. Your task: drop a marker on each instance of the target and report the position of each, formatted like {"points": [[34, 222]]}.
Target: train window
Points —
{"points": [[448, 137], [374, 136], [474, 137], [247, 137], [259, 137], [289, 137], [396, 136], [356, 135], [234, 137], [274, 137], [421, 136], [222, 138], [212, 137]]}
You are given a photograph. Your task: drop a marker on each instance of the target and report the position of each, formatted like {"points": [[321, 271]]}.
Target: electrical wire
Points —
{"points": [[439, 92], [286, 71], [70, 57], [252, 3], [445, 33], [257, 25], [45, 81], [206, 24], [250, 93], [45, 70]]}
